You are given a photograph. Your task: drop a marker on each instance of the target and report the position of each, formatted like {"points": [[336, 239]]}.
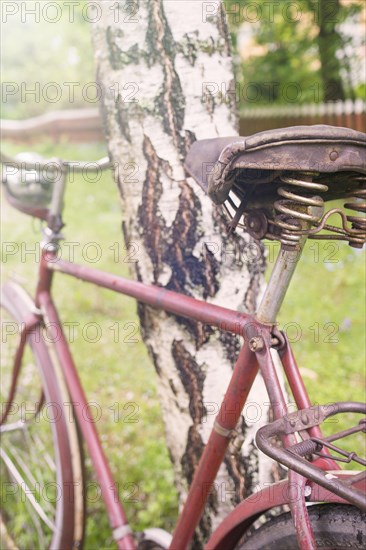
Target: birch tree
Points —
{"points": [[165, 68]]}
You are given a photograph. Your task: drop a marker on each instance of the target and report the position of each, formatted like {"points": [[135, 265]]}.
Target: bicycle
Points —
{"points": [[274, 185]]}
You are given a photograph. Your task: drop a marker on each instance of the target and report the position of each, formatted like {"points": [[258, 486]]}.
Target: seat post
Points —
{"points": [[279, 282], [283, 270]]}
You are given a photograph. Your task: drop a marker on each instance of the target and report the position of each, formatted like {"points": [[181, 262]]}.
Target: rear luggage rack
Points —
{"points": [[299, 457]]}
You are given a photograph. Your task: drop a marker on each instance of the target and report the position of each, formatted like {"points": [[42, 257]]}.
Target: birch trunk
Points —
{"points": [[161, 65]]}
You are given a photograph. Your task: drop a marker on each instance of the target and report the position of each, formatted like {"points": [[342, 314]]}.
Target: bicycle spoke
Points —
{"points": [[22, 464], [46, 455], [37, 525], [34, 451], [39, 471], [19, 425], [24, 487], [31, 481], [5, 538]]}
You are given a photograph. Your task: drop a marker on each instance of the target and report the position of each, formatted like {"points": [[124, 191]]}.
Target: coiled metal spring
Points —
{"points": [[299, 211], [354, 234], [293, 207], [358, 222]]}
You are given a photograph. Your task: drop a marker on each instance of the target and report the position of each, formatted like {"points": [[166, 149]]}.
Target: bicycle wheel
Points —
{"points": [[42, 502], [335, 526]]}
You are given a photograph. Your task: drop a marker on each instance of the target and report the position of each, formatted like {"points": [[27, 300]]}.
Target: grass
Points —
{"points": [[323, 316]]}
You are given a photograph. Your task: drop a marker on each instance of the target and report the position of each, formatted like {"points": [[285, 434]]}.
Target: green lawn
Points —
{"points": [[324, 313]]}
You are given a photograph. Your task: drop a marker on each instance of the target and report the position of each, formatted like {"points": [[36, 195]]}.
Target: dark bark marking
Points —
{"points": [[172, 387], [121, 114], [191, 44], [147, 315], [188, 47], [251, 469], [154, 356], [104, 111], [224, 30], [189, 270], [238, 469], [192, 453], [150, 219], [174, 245], [189, 139], [192, 379], [235, 468], [131, 56], [114, 51], [119, 58], [186, 232], [231, 344], [162, 49]]}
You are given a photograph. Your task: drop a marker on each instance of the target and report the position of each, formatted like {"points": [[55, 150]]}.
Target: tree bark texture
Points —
{"points": [[161, 64]]}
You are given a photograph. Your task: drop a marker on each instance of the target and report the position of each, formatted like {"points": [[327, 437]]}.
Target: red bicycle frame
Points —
{"points": [[258, 337]]}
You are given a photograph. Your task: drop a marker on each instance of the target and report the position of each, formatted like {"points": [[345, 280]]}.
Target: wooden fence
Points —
{"points": [[84, 125], [350, 114], [78, 125]]}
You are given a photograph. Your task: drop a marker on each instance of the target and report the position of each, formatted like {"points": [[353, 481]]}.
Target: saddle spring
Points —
{"points": [[353, 228], [358, 222], [288, 226], [299, 211]]}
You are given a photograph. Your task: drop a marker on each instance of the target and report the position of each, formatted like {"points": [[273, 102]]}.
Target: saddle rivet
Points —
{"points": [[333, 155]]}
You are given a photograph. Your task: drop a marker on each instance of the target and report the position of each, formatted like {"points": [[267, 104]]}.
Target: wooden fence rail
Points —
{"points": [[77, 125], [350, 114], [84, 125]]}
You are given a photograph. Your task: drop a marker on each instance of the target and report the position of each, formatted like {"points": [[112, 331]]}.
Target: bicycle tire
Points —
{"points": [[335, 526], [39, 453]]}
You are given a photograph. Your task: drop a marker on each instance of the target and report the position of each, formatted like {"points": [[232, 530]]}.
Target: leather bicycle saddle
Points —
{"points": [[219, 164]]}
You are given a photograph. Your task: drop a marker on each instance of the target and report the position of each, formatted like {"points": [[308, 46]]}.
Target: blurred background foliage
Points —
{"points": [[316, 44], [36, 53]]}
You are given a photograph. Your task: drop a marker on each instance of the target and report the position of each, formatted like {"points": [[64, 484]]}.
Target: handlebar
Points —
{"points": [[38, 187]]}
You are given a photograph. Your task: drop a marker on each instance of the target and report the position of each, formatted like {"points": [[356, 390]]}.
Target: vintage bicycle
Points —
{"points": [[274, 185]]}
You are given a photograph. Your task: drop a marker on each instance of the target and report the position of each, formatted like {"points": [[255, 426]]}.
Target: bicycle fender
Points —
{"points": [[232, 528]]}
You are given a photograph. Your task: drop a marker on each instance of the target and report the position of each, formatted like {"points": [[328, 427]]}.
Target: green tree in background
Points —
{"points": [[329, 41], [298, 51]]}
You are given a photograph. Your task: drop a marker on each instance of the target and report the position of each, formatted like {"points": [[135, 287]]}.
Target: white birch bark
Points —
{"points": [[160, 56]]}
